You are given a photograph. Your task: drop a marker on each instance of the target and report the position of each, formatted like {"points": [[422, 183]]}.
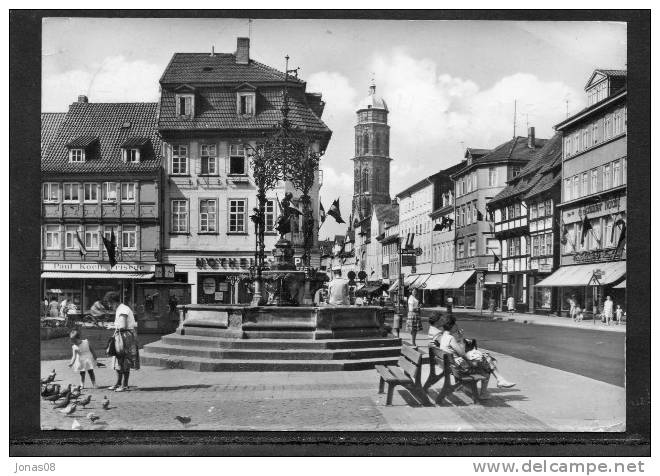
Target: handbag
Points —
{"points": [[110, 349], [120, 348]]}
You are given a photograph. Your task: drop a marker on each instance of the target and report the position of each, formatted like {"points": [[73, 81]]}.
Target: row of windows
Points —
{"points": [[467, 214], [472, 248], [57, 236], [542, 244], [208, 216], [540, 209], [596, 180], [600, 130], [597, 93], [245, 104], [208, 156], [420, 198], [89, 192], [131, 156], [466, 184], [443, 252], [600, 235]]}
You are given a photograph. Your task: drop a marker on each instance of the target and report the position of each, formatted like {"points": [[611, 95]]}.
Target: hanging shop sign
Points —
{"points": [[224, 262]]}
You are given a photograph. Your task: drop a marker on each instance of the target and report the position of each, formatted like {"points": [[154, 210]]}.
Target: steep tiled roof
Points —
{"points": [[386, 213], [112, 124], [476, 153], [513, 150], [50, 124], [534, 172], [215, 108], [548, 180], [200, 68]]}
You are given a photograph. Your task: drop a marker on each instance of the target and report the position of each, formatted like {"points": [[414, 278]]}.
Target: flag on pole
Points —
{"points": [[564, 234], [622, 238], [586, 226], [335, 213], [321, 213], [111, 248], [450, 222], [81, 245], [497, 258], [480, 216]]}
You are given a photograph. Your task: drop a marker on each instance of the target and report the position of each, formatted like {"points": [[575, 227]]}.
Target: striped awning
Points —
{"points": [[394, 287], [420, 283], [60, 275], [408, 280]]}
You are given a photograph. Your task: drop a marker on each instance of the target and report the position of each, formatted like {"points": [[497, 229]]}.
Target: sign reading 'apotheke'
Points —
{"points": [[99, 267]]}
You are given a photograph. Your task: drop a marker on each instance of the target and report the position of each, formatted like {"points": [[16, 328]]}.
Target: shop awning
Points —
{"points": [[458, 279], [60, 275], [420, 283], [582, 274], [621, 285], [408, 280], [394, 287], [437, 281], [367, 290]]}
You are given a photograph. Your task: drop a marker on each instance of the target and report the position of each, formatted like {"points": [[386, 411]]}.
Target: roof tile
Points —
{"points": [[50, 124]]}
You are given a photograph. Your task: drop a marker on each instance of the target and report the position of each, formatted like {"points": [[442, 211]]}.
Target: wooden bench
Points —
{"points": [[407, 373], [444, 362]]}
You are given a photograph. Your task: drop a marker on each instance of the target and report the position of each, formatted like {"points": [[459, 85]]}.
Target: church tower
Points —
{"points": [[371, 164]]}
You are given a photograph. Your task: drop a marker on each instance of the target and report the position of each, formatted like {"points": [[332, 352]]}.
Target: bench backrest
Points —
{"points": [[411, 362], [441, 358]]}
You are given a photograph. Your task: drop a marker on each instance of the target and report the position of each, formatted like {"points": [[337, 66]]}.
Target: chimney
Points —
{"points": [[82, 98], [242, 50], [531, 143]]}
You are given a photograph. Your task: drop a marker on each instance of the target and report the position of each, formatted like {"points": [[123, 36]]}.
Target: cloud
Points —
{"points": [[115, 79]]}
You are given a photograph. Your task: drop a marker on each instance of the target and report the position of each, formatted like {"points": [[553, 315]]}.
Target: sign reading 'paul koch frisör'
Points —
{"points": [[99, 267]]}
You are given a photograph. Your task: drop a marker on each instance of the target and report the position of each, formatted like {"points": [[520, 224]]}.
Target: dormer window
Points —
{"points": [[246, 104], [246, 99], [185, 105], [131, 155], [76, 155]]}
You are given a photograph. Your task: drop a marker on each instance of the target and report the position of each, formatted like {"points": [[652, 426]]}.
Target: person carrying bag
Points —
{"points": [[126, 353]]}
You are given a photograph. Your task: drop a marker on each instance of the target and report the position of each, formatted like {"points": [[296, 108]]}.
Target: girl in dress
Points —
{"points": [[83, 358]]}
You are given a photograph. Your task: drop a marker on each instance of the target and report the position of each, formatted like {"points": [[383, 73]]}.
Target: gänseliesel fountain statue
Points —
{"points": [[281, 329]]}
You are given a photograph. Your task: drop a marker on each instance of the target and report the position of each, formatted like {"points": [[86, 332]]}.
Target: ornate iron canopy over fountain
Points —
{"points": [[289, 154]]}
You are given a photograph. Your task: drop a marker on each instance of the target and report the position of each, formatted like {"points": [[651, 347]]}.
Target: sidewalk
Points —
{"points": [[544, 399], [524, 318]]}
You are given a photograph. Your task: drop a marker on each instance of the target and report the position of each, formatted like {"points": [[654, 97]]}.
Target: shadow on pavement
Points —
{"points": [[164, 389]]}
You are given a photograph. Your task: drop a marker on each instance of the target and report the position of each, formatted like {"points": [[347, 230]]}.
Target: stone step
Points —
{"points": [[287, 334], [224, 343], [263, 354], [200, 364]]}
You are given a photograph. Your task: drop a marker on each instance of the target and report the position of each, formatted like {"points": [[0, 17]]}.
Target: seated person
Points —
{"points": [[467, 359]]}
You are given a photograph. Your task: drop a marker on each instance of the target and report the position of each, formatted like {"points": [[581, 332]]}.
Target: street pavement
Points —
{"points": [[544, 399]]}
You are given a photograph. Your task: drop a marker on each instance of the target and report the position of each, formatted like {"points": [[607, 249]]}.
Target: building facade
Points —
{"points": [[214, 110], [100, 178], [481, 178], [593, 197], [527, 229]]}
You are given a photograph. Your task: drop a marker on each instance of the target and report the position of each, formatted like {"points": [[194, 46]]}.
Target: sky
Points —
{"points": [[448, 84]]}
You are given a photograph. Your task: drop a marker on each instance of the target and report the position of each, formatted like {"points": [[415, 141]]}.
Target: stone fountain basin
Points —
{"points": [[316, 322]]}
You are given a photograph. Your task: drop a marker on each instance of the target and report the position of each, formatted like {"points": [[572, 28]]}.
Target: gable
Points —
{"points": [[596, 78], [246, 87]]}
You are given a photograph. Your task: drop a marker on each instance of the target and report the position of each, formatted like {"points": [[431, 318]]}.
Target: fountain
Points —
{"points": [[281, 329]]}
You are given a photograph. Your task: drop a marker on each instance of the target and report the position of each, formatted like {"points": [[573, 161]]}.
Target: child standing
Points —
{"points": [[83, 358], [619, 314]]}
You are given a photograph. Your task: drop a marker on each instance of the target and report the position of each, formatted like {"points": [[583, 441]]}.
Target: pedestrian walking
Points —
{"points": [[414, 321], [450, 304], [579, 314], [619, 314], [511, 304], [53, 308], [608, 310], [572, 305], [83, 358], [126, 342]]}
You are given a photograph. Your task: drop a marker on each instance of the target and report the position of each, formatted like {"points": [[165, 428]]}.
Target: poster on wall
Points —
{"points": [[223, 287], [219, 296], [208, 285]]}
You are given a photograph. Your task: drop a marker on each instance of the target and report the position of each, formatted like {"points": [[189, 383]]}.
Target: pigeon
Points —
{"points": [[69, 410], [75, 393], [63, 403], [44, 381], [51, 376], [75, 425], [66, 391], [106, 403], [92, 417], [52, 398], [183, 419], [85, 401]]}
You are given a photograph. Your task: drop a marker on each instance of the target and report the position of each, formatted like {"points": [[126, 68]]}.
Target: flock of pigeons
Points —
{"points": [[68, 400]]}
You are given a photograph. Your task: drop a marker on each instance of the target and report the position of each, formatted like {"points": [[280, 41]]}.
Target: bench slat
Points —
{"points": [[392, 374], [411, 354], [400, 375]]}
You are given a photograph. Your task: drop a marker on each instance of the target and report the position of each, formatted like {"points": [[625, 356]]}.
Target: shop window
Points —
{"points": [[71, 192], [129, 237], [237, 160], [52, 237], [208, 216], [179, 216], [237, 219], [179, 159], [91, 192], [51, 192], [209, 156], [127, 192], [109, 192]]}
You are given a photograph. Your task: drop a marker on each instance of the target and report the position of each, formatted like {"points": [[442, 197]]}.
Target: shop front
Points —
{"points": [[85, 283]]}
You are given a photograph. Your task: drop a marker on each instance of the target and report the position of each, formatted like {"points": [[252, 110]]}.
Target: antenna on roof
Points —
{"points": [[515, 105], [566, 107]]}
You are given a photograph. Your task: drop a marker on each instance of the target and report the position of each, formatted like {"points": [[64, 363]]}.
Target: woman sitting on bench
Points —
{"points": [[467, 360]]}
